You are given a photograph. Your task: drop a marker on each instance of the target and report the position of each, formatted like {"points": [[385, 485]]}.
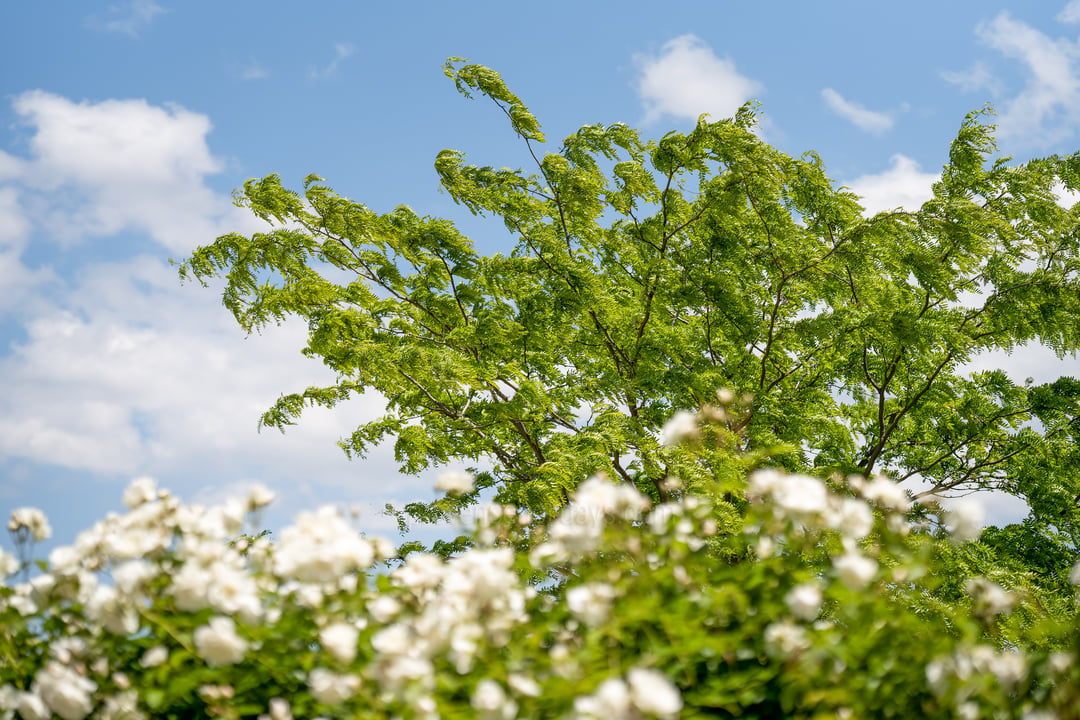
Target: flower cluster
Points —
{"points": [[617, 608]]}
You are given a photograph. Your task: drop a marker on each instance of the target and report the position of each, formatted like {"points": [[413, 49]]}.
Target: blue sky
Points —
{"points": [[125, 125]]}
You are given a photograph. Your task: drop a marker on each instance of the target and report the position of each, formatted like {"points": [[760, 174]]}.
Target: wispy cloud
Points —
{"points": [[1070, 13], [253, 71], [341, 51], [687, 79], [868, 120], [130, 18], [977, 77], [1046, 109]]}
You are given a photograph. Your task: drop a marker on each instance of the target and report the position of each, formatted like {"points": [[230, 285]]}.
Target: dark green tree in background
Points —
{"points": [[641, 276]]}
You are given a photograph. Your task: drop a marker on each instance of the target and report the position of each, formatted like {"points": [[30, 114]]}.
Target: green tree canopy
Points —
{"points": [[642, 275]]}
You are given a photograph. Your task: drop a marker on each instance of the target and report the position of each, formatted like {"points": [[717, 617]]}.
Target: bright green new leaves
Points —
{"points": [[640, 276]]}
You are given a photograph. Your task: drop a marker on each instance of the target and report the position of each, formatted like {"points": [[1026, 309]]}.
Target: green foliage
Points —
{"points": [[645, 274], [641, 275]]}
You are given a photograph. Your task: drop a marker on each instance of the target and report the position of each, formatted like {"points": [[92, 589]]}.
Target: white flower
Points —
{"points": [[610, 701], [1074, 574], [967, 711], [383, 608], [784, 638], [966, 518], [24, 604], [141, 491], [106, 607], [232, 590], [804, 601], [339, 640], [457, 483], [63, 560], [332, 688], [990, 598], [384, 549], [259, 496], [578, 529], [402, 670], [218, 643], [31, 707], [9, 564], [937, 675], [132, 575], [765, 547], [801, 494], [590, 603], [622, 500], [491, 701], [65, 649], [680, 426], [419, 572], [1060, 662], [279, 709], [855, 570], [392, 640], [796, 495], [887, 494], [32, 520], [189, 587], [653, 693], [67, 693], [41, 587], [321, 548], [155, 656], [122, 706], [854, 518], [523, 685], [580, 525], [1010, 668]]}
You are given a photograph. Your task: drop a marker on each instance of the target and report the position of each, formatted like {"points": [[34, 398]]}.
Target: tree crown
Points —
{"points": [[646, 274]]}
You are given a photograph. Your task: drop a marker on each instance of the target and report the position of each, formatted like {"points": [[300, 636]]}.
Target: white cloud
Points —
{"points": [[130, 18], [18, 281], [120, 370], [10, 166], [254, 71], [1070, 13], [99, 168], [903, 185], [341, 52], [1047, 109], [1030, 360], [14, 225], [867, 120], [1066, 198], [687, 79], [130, 372], [977, 77]]}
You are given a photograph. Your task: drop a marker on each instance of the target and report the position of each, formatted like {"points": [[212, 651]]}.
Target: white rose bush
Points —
{"points": [[794, 596]]}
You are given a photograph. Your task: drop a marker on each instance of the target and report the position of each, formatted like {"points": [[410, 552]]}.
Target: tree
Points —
{"points": [[644, 275]]}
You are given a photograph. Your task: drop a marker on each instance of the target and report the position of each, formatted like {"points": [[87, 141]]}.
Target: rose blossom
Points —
{"points": [[456, 483], [331, 688], [67, 693], [218, 643], [653, 693], [339, 640]]}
